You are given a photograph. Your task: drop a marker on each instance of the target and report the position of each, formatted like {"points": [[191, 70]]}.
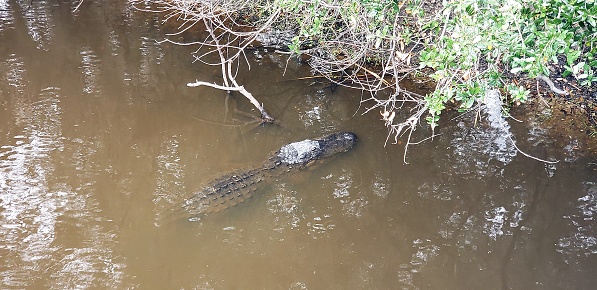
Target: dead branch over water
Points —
{"points": [[344, 55], [226, 38]]}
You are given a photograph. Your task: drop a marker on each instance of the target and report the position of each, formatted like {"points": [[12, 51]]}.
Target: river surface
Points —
{"points": [[99, 137]]}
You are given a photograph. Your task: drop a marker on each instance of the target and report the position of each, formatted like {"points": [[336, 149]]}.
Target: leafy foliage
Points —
{"points": [[465, 46], [474, 40]]}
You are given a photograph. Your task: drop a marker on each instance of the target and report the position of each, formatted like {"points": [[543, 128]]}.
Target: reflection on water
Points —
{"points": [[38, 21], [151, 55], [26, 199], [37, 207], [14, 73], [286, 208], [99, 138], [581, 241], [170, 175], [6, 20], [90, 70]]}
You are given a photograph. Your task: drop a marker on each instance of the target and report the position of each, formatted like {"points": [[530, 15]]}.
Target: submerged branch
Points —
{"points": [[223, 40], [264, 115]]}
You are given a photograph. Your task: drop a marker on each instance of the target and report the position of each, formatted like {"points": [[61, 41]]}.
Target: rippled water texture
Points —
{"points": [[99, 137]]}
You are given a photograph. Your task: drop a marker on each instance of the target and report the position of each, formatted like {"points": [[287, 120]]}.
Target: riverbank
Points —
{"points": [[569, 119], [462, 49]]}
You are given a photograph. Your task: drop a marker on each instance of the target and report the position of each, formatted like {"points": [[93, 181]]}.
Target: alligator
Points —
{"points": [[235, 187]]}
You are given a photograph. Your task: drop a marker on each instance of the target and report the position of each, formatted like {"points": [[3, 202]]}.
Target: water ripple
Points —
{"points": [[29, 210], [285, 206], [151, 55], [475, 146], [39, 22], [16, 72], [6, 18], [581, 242], [90, 67], [315, 112], [170, 189], [36, 210]]}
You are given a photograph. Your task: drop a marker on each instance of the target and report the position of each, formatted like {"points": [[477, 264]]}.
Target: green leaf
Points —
{"points": [[572, 56], [566, 73], [591, 20], [470, 10]]}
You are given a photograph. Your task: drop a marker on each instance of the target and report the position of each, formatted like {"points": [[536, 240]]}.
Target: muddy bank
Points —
{"points": [[568, 119]]}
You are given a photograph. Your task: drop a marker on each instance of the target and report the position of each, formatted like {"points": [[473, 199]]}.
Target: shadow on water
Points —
{"points": [[99, 135]]}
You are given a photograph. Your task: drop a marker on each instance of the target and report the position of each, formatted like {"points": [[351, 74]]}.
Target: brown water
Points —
{"points": [[99, 136]]}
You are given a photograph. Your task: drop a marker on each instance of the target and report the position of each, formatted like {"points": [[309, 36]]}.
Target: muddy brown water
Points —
{"points": [[99, 135]]}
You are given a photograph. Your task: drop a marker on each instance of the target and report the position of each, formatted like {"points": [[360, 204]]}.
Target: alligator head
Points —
{"points": [[306, 151]]}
